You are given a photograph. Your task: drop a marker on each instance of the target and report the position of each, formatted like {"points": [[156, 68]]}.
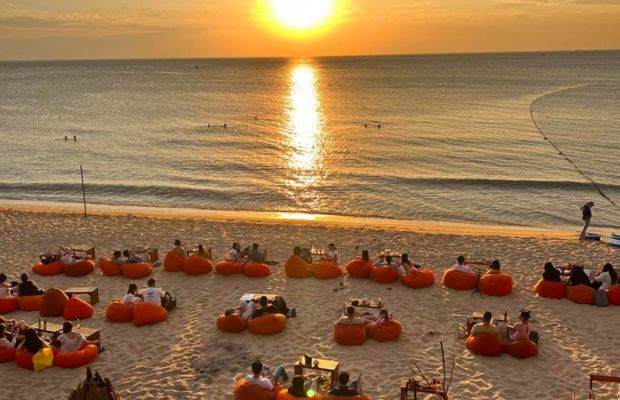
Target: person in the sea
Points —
{"points": [[131, 297], [235, 253], [605, 279], [350, 318], [32, 343], [586, 215], [257, 256], [72, 341], [179, 248], [578, 277], [5, 288], [551, 273], [27, 287], [486, 326], [343, 388], [204, 253], [460, 265], [332, 255], [155, 295], [522, 329], [494, 268], [263, 377]]}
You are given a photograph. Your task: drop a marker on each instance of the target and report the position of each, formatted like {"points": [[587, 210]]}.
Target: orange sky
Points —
{"points": [[45, 29]]}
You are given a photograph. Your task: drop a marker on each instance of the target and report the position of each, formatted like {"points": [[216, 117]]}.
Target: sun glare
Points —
{"points": [[301, 14]]}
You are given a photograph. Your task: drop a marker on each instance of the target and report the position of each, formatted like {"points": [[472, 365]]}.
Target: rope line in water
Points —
{"points": [[579, 170]]}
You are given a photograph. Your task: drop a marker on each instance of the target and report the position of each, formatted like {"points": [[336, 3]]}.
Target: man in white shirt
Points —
{"points": [[155, 295], [235, 253], [261, 376], [461, 265]]}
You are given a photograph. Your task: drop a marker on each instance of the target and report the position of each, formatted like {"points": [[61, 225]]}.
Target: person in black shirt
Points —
{"points": [[586, 215], [28, 287], [265, 308], [578, 277], [343, 388], [551, 273]]}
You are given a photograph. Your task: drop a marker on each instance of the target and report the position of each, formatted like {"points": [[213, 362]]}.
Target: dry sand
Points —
{"points": [[188, 358]]}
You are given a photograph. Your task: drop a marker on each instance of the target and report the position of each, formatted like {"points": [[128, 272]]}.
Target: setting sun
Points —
{"points": [[301, 14]]}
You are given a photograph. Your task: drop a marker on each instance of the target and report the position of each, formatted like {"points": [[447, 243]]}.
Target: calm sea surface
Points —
{"points": [[456, 141]]}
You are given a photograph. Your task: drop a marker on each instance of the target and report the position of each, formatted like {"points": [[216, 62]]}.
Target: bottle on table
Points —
{"points": [[78, 327]]}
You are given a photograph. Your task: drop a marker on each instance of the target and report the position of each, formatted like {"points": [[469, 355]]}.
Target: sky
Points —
{"points": [[84, 29]]}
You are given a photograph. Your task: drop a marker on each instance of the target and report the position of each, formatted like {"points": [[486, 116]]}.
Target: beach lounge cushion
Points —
{"points": [[484, 344], [459, 280], [109, 268], [245, 390], [118, 312], [53, 303], [359, 268], [29, 303], [267, 324], [297, 267], [23, 359], [256, 270], [144, 314], [613, 295], [80, 268], [43, 359], [136, 270], [7, 305], [496, 284], [521, 348], [231, 323], [55, 268], [550, 289], [76, 308], [76, 359], [196, 265], [7, 354], [225, 267], [326, 270], [350, 335], [384, 274], [580, 294], [173, 262], [389, 331], [418, 279]]}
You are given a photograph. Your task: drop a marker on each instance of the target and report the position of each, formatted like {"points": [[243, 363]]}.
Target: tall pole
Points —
{"points": [[83, 190]]}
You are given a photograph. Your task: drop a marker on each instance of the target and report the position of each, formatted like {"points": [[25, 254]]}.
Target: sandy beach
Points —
{"points": [[186, 357]]}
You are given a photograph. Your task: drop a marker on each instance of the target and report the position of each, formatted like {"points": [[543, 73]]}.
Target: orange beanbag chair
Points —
{"points": [[55, 268], [7, 354], [109, 268], [245, 390], [53, 303], [389, 331], [326, 270], [196, 265], [76, 359], [297, 267], [267, 324], [580, 294], [24, 359], [118, 312], [173, 262], [459, 280], [77, 308], [550, 289], [231, 323], [7, 305], [350, 335], [484, 344], [80, 268], [229, 267], [496, 284], [613, 295], [418, 279], [384, 274], [144, 314], [136, 270], [29, 303], [521, 348], [359, 268], [256, 270]]}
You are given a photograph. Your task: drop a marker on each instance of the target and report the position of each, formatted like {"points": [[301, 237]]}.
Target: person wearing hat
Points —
{"points": [[586, 215]]}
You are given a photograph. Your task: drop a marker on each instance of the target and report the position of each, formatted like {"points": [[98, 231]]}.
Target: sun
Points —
{"points": [[301, 14]]}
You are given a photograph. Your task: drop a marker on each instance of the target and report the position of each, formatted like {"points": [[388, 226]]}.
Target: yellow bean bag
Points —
{"points": [[297, 267], [267, 324], [326, 270]]}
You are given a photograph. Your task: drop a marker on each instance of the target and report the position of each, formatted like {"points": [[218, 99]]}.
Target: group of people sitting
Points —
{"points": [[67, 255], [494, 266], [519, 331], [248, 254], [602, 280], [199, 250], [351, 317], [249, 307], [404, 267], [151, 294], [127, 257], [26, 287]]}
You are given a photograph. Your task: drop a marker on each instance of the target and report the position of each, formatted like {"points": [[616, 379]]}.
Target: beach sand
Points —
{"points": [[186, 357]]}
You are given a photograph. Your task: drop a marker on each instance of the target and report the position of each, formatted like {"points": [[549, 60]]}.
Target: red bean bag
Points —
{"points": [[521, 348], [7, 354], [7, 305], [418, 279], [350, 335], [109, 268], [80, 268], [496, 284], [229, 267], [267, 324], [196, 265], [384, 274], [53, 303], [297, 267], [55, 268], [29, 303], [484, 344], [231, 323], [24, 359], [551, 290], [256, 270], [77, 308], [326, 270], [144, 314], [613, 295], [136, 270], [359, 268], [285, 395], [118, 312], [459, 280], [76, 359], [245, 390], [389, 331], [580, 294], [173, 262]]}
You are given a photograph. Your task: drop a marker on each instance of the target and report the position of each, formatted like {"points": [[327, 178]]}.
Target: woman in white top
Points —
{"points": [[72, 341], [332, 256], [5, 288], [606, 279], [4, 342], [235, 253], [130, 298]]}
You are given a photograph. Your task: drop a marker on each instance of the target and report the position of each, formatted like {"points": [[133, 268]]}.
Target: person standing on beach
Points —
{"points": [[586, 215]]}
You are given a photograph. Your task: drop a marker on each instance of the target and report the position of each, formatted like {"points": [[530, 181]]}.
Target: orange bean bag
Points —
{"points": [[550, 289], [418, 279], [389, 331], [76, 359], [53, 303], [173, 262], [580, 294], [256, 270], [7, 354], [118, 312], [285, 395], [350, 335], [359, 268], [80, 268], [136, 270], [24, 359], [459, 280], [29, 303], [521, 348], [196, 265], [328, 397], [384, 274], [613, 295], [229, 267], [231, 323], [484, 344], [245, 390], [297, 267], [496, 284], [7, 305], [77, 308], [144, 314], [109, 268], [326, 270], [55, 268], [267, 324]]}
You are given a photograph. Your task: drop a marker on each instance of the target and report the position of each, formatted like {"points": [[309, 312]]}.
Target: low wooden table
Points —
{"points": [[55, 330], [479, 316], [324, 365], [92, 292], [407, 385]]}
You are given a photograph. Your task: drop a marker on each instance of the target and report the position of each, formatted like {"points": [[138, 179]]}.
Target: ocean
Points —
{"points": [[418, 137]]}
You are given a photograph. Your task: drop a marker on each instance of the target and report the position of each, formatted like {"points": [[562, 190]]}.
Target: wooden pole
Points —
{"points": [[83, 190]]}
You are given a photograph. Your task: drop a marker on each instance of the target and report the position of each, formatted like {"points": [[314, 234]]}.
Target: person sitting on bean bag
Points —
{"points": [[343, 388], [117, 258], [388, 261], [72, 341], [27, 287], [299, 387], [460, 265], [235, 254], [5, 288], [522, 329], [155, 295], [485, 326], [4, 341], [380, 319], [17, 328], [265, 308], [131, 258], [131, 296], [494, 268], [605, 279], [32, 343], [551, 273], [406, 266], [262, 376], [69, 257], [578, 277], [256, 255], [201, 252], [332, 256], [350, 318], [179, 248]]}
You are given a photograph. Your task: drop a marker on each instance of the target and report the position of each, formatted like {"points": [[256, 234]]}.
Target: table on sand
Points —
{"points": [[323, 365], [92, 292]]}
